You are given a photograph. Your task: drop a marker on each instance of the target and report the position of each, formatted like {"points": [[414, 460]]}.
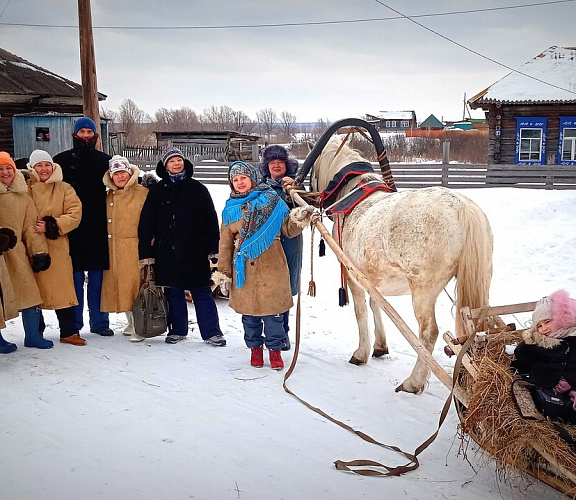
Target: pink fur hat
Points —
{"points": [[559, 308]]}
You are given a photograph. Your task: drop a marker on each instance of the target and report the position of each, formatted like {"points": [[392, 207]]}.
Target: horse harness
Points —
{"points": [[364, 189]]}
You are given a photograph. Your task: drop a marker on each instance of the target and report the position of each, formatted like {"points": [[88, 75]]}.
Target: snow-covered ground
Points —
{"points": [[117, 420]]}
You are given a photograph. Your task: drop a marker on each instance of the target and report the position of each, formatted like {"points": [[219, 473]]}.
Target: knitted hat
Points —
{"points": [[171, 153], [6, 159], [39, 155], [84, 122], [119, 164], [542, 311], [242, 168], [277, 152]]}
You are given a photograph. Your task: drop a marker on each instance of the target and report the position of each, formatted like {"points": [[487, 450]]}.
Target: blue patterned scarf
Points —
{"points": [[263, 212]]}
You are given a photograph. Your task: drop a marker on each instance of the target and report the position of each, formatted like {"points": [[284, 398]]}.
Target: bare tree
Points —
{"points": [[242, 123], [219, 117], [321, 127], [288, 124], [176, 120], [267, 119], [109, 115], [133, 121]]}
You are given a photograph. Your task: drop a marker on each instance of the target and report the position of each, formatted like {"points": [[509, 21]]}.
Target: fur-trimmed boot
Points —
{"points": [[5, 346]]}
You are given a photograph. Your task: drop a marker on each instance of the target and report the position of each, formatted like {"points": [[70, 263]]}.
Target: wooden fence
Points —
{"points": [[452, 175]]}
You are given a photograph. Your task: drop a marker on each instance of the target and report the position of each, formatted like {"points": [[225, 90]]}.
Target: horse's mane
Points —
{"points": [[330, 161]]}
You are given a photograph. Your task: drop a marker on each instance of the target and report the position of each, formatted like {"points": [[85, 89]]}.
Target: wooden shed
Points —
{"points": [[531, 112], [28, 88], [224, 145]]}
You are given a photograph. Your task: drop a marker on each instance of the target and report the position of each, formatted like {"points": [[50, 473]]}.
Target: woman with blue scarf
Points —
{"points": [[252, 259]]}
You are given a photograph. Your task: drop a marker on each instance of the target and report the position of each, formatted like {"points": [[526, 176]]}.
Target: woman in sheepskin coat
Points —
{"points": [[29, 255], [59, 212], [124, 202], [252, 258]]}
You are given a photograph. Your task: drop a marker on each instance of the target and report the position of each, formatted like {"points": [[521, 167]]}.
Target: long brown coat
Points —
{"points": [[122, 281], [8, 309], [17, 211], [266, 290], [59, 200]]}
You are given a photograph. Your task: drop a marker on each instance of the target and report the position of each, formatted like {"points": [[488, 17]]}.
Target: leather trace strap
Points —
{"points": [[361, 467]]}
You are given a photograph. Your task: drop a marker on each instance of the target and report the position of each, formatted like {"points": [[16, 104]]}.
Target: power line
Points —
{"points": [[410, 18], [285, 25]]}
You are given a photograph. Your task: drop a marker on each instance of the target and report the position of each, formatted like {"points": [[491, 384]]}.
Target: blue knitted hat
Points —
{"points": [[84, 122]]}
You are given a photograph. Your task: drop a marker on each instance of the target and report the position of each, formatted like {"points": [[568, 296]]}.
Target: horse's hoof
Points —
{"points": [[379, 352], [401, 388], [355, 361]]}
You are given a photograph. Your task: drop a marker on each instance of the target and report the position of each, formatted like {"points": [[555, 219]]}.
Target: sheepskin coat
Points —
{"points": [[266, 290], [179, 229], [17, 211], [56, 199], [83, 168], [8, 309], [122, 280]]}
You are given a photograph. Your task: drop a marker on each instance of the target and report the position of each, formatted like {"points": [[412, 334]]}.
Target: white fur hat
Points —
{"points": [[39, 155], [542, 311]]}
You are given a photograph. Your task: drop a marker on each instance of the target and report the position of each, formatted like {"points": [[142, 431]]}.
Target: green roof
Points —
{"points": [[432, 122]]}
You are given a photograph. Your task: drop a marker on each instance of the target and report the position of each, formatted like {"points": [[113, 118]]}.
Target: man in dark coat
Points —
{"points": [[83, 167], [179, 230]]}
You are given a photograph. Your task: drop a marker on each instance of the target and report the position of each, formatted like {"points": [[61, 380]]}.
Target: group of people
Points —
{"points": [[84, 220]]}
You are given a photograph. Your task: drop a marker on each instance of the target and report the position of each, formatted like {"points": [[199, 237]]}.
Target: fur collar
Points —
{"points": [[18, 185], [56, 176], [109, 183], [531, 336]]}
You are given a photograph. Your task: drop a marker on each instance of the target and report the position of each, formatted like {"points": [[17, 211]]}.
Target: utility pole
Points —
{"points": [[88, 66]]}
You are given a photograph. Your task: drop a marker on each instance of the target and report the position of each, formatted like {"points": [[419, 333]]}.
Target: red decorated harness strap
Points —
{"points": [[360, 192]]}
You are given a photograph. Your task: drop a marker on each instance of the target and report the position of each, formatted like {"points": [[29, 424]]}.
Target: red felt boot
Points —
{"points": [[276, 360], [257, 357]]}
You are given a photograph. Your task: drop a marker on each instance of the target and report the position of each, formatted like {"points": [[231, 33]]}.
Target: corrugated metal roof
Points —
{"points": [[548, 78], [20, 77]]}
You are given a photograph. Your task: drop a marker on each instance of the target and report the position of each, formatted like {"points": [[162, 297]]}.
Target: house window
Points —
{"points": [[567, 143], [530, 144], [42, 134], [404, 124], [390, 123], [531, 140]]}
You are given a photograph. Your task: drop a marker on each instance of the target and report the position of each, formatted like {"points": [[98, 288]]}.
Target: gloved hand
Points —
{"points": [[8, 239], [223, 281], [41, 262], [225, 288], [145, 262]]}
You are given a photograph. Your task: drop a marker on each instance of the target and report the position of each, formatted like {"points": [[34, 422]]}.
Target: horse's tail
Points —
{"points": [[475, 267]]}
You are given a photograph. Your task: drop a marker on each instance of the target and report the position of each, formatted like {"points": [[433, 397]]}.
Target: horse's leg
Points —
{"points": [[423, 303], [361, 354], [380, 346]]}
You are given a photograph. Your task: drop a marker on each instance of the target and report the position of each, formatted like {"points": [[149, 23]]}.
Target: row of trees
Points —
{"points": [[139, 126]]}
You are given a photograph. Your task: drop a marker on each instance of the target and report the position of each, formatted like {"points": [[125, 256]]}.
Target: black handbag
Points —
{"points": [[150, 308], [554, 406]]}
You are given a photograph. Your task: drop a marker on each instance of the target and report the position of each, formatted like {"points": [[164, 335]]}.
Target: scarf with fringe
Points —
{"points": [[263, 212]]}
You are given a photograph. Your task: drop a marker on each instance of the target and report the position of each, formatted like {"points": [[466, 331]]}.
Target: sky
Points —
{"points": [[116, 420], [315, 71]]}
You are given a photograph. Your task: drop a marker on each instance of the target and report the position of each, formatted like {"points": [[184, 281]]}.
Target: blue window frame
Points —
{"points": [[531, 140], [567, 142]]}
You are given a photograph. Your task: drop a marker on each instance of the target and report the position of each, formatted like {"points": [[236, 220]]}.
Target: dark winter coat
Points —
{"points": [[292, 246], [544, 360], [83, 168], [179, 229]]}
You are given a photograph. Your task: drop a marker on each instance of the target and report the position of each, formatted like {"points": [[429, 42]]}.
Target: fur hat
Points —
{"points": [[242, 168], [84, 122], [277, 152], [6, 159], [119, 164], [171, 153], [39, 155], [542, 311]]}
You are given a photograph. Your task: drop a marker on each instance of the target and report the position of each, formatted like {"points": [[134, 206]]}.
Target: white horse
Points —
{"points": [[409, 242]]}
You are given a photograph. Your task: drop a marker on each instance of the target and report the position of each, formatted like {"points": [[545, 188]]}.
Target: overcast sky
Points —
{"points": [[328, 71]]}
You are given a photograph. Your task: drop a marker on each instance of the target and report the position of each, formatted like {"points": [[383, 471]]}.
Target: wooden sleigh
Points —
{"points": [[518, 439]]}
